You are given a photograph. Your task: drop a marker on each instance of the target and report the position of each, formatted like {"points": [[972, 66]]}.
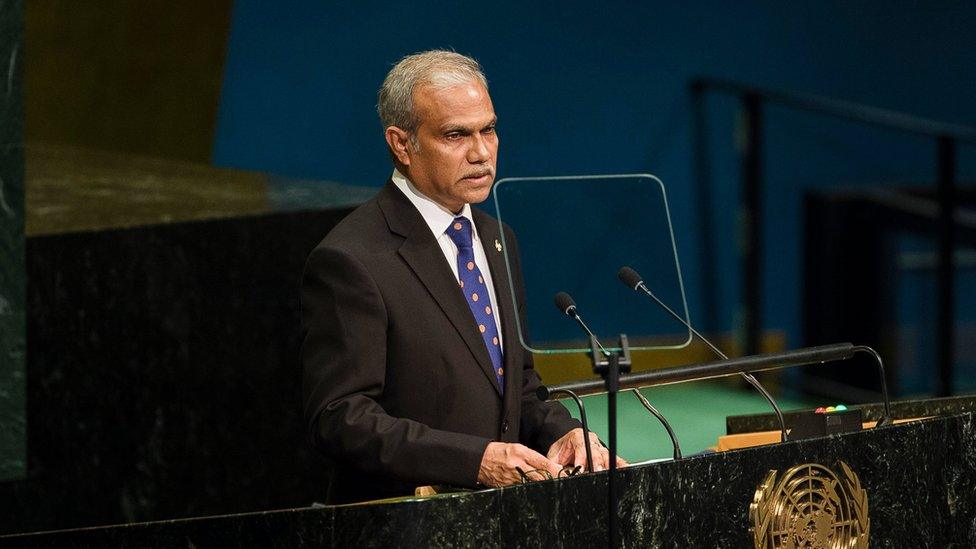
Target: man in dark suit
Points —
{"points": [[413, 372]]}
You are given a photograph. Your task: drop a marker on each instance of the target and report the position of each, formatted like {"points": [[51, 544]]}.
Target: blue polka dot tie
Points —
{"points": [[476, 293]]}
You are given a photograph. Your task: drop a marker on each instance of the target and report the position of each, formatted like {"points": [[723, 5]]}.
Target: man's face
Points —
{"points": [[453, 159]]}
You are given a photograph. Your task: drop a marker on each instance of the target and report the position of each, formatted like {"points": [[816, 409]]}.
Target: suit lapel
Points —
{"points": [[424, 256], [491, 240]]}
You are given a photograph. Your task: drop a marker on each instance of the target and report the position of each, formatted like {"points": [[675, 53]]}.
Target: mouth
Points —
{"points": [[479, 178]]}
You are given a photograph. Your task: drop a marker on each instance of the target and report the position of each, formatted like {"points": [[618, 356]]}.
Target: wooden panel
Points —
{"points": [[137, 76]]}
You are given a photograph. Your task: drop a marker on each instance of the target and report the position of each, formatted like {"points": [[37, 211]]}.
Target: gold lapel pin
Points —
{"points": [[498, 245]]}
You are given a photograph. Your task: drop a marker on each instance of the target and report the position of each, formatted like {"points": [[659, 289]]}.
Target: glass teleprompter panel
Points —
{"points": [[574, 234]]}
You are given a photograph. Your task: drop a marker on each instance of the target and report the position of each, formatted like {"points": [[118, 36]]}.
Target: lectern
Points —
{"points": [[912, 484]]}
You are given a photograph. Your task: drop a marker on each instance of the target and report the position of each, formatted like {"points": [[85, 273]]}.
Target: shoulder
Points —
{"points": [[368, 226], [369, 236], [342, 258], [357, 228]]}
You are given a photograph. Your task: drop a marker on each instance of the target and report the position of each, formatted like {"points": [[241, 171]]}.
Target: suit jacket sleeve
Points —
{"points": [[542, 423], [344, 365]]}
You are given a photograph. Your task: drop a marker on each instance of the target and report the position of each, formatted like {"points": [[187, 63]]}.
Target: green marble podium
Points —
{"points": [[920, 480], [13, 443]]}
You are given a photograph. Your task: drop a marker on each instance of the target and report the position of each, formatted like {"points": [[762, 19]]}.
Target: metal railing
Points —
{"points": [[947, 137]]}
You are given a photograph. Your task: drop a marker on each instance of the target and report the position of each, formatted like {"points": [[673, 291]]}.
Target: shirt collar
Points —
{"points": [[437, 217]]}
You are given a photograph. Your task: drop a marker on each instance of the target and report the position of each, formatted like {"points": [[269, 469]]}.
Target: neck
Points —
{"points": [[454, 209]]}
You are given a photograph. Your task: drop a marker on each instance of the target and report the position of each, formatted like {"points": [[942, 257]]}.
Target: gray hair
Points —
{"points": [[437, 68]]}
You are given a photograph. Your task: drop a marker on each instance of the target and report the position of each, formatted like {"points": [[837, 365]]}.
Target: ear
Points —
{"points": [[399, 142]]}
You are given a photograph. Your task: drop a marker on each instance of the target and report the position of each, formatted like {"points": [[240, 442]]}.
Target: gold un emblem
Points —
{"points": [[810, 506]]}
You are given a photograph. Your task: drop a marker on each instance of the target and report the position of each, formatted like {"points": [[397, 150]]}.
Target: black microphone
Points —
{"points": [[634, 281], [567, 306], [630, 278]]}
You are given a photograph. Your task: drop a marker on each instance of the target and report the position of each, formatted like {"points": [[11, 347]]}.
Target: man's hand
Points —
{"points": [[569, 450], [501, 458]]}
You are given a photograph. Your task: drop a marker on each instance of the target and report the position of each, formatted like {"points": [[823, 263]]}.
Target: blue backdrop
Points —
{"points": [[587, 88]]}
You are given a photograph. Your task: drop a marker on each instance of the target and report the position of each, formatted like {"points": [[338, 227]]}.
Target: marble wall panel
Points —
{"points": [[12, 275], [165, 373]]}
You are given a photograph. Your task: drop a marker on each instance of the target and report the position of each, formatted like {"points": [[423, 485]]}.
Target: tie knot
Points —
{"points": [[460, 232]]}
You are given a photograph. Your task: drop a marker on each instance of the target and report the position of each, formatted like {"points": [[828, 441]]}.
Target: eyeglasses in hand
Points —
{"points": [[542, 474]]}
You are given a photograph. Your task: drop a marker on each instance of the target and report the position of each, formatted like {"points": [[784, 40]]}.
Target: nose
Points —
{"points": [[478, 152]]}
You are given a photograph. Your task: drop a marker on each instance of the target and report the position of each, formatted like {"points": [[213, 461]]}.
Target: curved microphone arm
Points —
{"points": [[660, 417], [886, 419], [769, 398], [586, 428], [640, 286]]}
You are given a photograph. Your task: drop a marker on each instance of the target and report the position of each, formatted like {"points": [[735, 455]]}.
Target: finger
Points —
{"points": [[560, 451], [535, 460], [500, 462], [579, 455], [555, 450], [604, 454], [599, 462], [604, 458], [575, 443], [594, 449], [566, 453], [621, 462]]}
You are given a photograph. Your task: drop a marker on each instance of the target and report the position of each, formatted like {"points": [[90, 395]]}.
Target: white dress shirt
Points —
{"points": [[439, 218]]}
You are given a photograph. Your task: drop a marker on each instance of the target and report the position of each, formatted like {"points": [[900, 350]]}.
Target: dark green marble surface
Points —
{"points": [[72, 189], [903, 409], [13, 444], [920, 479], [164, 375]]}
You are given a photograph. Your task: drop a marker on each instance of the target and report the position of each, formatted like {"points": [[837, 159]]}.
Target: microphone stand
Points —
{"points": [[609, 366], [586, 426], [751, 379], [660, 417]]}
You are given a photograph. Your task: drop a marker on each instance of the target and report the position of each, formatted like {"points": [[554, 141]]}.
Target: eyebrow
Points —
{"points": [[464, 129]]}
